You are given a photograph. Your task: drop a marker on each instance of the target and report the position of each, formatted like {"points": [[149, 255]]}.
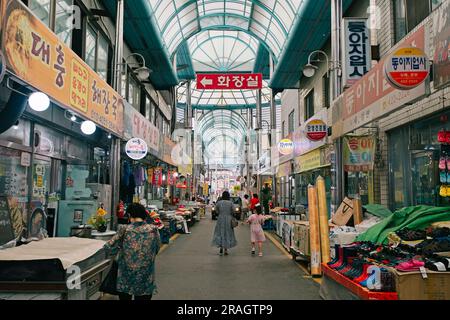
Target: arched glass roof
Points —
{"points": [[223, 134], [223, 51], [270, 21], [223, 98]]}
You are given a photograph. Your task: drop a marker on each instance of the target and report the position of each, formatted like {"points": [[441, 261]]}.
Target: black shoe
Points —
{"points": [[221, 252]]}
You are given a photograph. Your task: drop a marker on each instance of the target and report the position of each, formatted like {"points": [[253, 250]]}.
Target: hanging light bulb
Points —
{"points": [[109, 136], [73, 118], [88, 127]]}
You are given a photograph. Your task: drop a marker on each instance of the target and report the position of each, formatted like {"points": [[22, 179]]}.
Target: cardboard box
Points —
{"points": [[344, 213], [412, 286], [301, 237]]}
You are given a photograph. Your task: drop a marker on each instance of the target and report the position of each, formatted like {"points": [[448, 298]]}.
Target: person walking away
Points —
{"points": [[245, 206], [224, 237], [254, 202], [256, 220], [266, 196], [137, 245]]}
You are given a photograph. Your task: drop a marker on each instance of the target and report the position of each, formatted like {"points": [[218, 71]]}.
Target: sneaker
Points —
{"points": [[221, 252], [260, 254], [442, 163], [253, 251], [443, 191], [443, 177], [226, 252]]}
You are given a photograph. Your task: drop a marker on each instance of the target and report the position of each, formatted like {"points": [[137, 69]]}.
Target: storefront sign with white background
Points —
{"points": [[136, 149], [407, 68], [303, 144], [286, 147], [264, 163], [357, 51], [316, 130]]}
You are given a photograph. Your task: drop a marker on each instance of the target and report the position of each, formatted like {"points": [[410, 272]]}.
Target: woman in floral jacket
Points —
{"points": [[138, 244]]}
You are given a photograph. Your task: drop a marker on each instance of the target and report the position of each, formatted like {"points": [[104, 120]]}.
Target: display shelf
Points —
{"points": [[360, 291]]}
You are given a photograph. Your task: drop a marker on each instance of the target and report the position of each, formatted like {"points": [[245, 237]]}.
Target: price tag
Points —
{"points": [[424, 272]]}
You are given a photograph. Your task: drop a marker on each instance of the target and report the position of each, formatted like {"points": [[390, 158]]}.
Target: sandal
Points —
{"points": [[442, 163]]}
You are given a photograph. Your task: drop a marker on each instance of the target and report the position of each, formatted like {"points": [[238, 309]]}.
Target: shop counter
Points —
{"points": [[43, 269]]}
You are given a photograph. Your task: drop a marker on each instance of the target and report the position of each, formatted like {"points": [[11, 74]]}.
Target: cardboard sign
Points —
{"points": [[344, 213]]}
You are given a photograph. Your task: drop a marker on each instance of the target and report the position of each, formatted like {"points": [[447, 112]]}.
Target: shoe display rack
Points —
{"points": [[444, 164], [355, 288]]}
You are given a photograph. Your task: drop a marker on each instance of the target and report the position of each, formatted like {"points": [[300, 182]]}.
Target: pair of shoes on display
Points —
{"points": [[435, 245], [342, 255], [437, 263], [444, 163], [412, 235], [444, 191], [410, 265], [438, 232]]}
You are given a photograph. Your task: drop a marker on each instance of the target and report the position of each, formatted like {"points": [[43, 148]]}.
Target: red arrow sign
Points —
{"points": [[229, 81]]}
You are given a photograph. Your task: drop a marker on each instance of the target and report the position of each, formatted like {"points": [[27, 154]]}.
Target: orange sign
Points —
{"points": [[41, 59]]}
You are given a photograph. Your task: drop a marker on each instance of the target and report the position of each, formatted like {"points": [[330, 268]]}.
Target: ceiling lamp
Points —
{"points": [[39, 101], [88, 127]]}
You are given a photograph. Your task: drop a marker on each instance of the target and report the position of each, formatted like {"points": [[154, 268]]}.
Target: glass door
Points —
{"points": [[425, 185]]}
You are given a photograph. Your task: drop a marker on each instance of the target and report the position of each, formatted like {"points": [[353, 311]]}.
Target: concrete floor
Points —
{"points": [[190, 268]]}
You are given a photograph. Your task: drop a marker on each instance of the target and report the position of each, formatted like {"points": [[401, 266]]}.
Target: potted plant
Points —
{"points": [[99, 220]]}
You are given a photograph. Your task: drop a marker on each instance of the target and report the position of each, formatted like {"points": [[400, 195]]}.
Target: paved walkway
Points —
{"points": [[190, 268]]}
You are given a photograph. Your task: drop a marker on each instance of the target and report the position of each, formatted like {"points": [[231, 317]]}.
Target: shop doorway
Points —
{"points": [[424, 168]]}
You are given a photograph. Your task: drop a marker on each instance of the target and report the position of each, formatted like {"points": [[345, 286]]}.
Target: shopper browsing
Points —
{"points": [[256, 220], [224, 237], [254, 201], [137, 244], [245, 206]]}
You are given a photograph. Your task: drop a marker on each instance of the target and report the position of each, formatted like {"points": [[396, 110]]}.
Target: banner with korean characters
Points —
{"points": [[137, 126], [372, 97], [441, 30], [41, 59], [359, 153], [228, 81], [357, 50]]}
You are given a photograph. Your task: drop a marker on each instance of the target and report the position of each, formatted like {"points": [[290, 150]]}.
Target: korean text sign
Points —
{"points": [[228, 81], [40, 58], [359, 153], [357, 50]]}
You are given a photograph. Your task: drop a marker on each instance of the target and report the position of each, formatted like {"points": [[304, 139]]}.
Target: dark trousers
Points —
{"points": [[125, 296]]}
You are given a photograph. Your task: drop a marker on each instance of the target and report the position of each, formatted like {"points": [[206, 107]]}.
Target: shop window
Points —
{"points": [[309, 105], [63, 20], [19, 134], [96, 53], [134, 93], [41, 9], [409, 13], [291, 122]]}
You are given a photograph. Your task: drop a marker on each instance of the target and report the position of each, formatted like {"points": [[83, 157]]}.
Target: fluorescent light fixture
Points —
{"points": [[88, 127], [39, 101]]}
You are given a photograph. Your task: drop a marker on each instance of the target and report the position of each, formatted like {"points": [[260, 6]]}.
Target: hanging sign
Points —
{"points": [[407, 68], [357, 51], [316, 130], [286, 147], [2, 66], [136, 149], [40, 58], [359, 153], [229, 81]]}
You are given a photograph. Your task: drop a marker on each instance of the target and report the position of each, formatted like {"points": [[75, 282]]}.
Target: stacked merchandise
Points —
{"points": [[444, 163]]}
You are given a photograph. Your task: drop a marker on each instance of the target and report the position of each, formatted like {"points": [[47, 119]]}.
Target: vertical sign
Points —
{"points": [[359, 153], [357, 57]]}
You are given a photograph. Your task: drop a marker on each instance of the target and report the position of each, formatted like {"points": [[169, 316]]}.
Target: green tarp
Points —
{"points": [[378, 210], [417, 217]]}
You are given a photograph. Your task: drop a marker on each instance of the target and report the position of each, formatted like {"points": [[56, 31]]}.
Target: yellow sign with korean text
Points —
{"points": [[41, 59], [308, 161]]}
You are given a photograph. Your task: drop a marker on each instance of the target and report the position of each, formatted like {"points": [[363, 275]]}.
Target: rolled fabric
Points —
{"points": [[314, 231], [323, 220]]}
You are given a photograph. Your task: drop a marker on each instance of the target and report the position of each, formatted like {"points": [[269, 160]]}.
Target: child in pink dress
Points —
{"points": [[256, 220]]}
